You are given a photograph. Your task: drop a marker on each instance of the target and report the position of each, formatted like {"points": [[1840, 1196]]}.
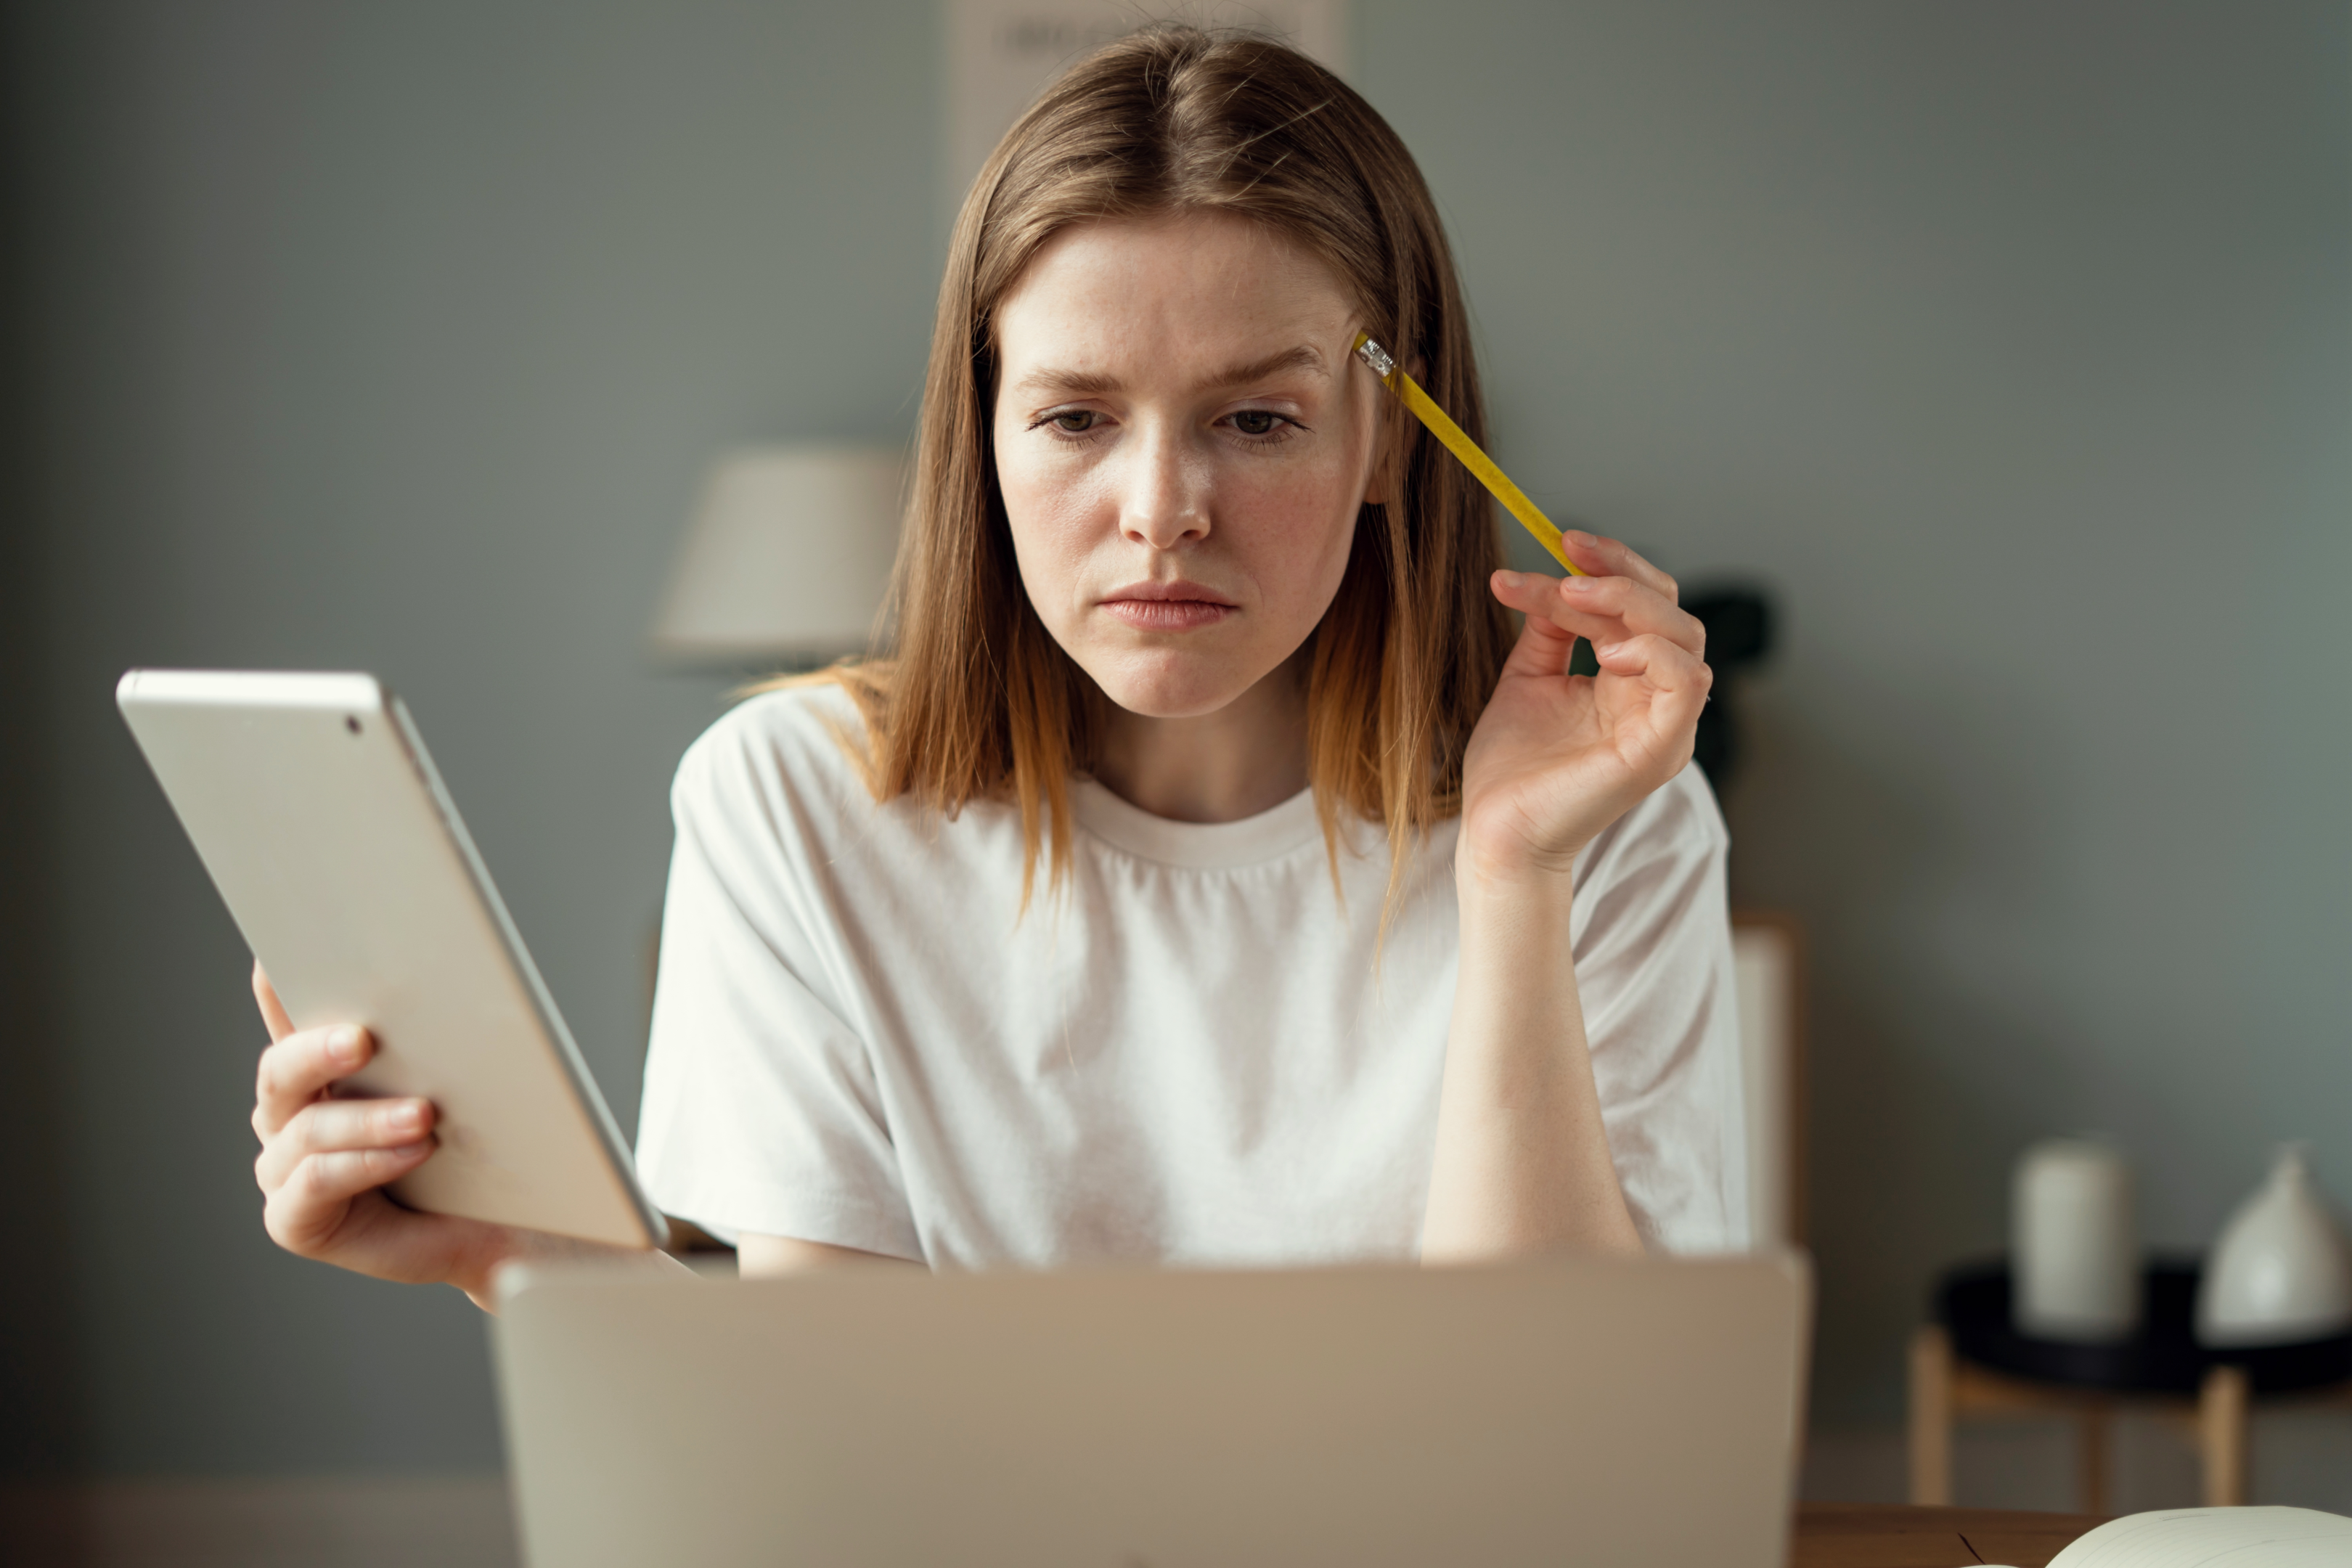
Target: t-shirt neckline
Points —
{"points": [[1197, 845]]}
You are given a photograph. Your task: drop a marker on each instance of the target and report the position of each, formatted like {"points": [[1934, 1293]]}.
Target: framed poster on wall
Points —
{"points": [[1000, 53]]}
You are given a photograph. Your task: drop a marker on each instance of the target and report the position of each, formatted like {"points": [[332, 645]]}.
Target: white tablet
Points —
{"points": [[313, 805]]}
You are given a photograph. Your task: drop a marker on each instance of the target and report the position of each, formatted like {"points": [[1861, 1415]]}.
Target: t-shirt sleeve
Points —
{"points": [[762, 1110], [1652, 945]]}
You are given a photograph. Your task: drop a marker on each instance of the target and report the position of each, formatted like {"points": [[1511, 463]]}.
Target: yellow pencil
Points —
{"points": [[1515, 500]]}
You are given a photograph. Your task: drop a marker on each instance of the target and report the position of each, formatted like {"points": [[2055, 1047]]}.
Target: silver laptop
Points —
{"points": [[1563, 1411]]}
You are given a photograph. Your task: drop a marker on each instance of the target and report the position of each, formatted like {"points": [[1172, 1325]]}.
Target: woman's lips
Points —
{"points": [[1166, 606], [1166, 615]]}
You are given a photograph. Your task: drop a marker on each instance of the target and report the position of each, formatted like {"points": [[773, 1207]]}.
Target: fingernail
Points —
{"points": [[404, 1118], [405, 1150], [343, 1044], [1578, 585], [1512, 579]]}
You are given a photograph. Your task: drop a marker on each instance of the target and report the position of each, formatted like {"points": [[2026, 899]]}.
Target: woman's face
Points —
{"points": [[1182, 446]]}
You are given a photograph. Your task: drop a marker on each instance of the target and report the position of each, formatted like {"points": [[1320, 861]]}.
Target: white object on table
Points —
{"points": [[2075, 1273], [2280, 1273], [2189, 1537], [790, 552]]}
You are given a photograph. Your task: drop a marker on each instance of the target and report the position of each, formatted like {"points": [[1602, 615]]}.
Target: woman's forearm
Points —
{"points": [[1522, 1161]]}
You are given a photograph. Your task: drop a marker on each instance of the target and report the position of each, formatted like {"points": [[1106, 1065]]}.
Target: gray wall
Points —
{"points": [[35, 1322], [396, 338], [2009, 345], [2012, 346]]}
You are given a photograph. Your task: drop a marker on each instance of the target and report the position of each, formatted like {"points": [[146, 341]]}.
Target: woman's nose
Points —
{"points": [[1167, 495]]}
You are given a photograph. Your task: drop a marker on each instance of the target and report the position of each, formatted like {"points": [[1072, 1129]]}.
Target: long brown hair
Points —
{"points": [[978, 700]]}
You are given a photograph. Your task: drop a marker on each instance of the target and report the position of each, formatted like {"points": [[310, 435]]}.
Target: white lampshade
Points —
{"points": [[788, 554]]}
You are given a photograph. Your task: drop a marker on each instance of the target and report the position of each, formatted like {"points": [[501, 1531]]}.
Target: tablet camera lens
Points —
{"points": [[351, 724]]}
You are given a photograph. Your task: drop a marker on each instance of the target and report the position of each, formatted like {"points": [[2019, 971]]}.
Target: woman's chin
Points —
{"points": [[1173, 687]]}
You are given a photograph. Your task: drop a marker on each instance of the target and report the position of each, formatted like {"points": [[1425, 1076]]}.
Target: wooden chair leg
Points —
{"points": [[2221, 1436], [2091, 1459], [1931, 1415]]}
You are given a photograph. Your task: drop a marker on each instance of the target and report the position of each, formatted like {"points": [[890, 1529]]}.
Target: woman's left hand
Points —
{"points": [[1558, 757]]}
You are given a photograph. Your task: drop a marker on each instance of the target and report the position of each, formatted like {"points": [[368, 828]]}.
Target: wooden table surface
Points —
{"points": [[1864, 1535]]}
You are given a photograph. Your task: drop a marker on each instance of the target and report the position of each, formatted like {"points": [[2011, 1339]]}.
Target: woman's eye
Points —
{"points": [[1256, 422], [1076, 422]]}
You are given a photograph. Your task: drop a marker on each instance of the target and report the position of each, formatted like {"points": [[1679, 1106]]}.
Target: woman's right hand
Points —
{"points": [[324, 1163]]}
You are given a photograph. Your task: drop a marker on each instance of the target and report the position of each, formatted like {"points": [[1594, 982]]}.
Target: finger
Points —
{"points": [[1543, 647], [1678, 683], [337, 1126], [1661, 661], [295, 1070], [273, 1012], [1613, 558], [324, 1179], [1604, 609], [1610, 609], [304, 1212]]}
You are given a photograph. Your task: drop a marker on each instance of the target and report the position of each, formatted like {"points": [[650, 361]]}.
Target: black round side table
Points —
{"points": [[1973, 1303], [1971, 1358]]}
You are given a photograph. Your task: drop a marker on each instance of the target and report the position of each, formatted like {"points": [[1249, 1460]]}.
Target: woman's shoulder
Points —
{"points": [[807, 739]]}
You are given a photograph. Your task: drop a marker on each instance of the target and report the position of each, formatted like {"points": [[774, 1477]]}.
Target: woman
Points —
{"points": [[1365, 930]]}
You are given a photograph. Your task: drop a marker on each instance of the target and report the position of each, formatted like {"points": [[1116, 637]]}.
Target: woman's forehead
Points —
{"points": [[1188, 297]]}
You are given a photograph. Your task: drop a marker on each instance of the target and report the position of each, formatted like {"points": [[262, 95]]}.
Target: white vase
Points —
{"points": [[2280, 1272], [2076, 1272]]}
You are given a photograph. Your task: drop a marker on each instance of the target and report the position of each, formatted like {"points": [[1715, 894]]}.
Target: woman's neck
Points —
{"points": [[1247, 757]]}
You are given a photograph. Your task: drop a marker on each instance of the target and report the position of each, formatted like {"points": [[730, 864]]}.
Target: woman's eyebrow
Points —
{"points": [[1306, 356], [1070, 382], [1092, 384]]}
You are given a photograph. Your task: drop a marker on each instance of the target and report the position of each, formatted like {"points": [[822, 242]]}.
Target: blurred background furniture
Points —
{"points": [[1871, 1535], [1972, 1360], [788, 557], [1768, 954]]}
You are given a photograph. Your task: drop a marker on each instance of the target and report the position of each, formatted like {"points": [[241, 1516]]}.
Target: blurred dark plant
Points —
{"points": [[1738, 622]]}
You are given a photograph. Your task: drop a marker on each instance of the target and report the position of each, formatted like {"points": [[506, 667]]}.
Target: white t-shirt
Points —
{"points": [[1188, 1057]]}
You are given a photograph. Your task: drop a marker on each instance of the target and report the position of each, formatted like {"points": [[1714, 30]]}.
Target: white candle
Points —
{"points": [[2076, 1272]]}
